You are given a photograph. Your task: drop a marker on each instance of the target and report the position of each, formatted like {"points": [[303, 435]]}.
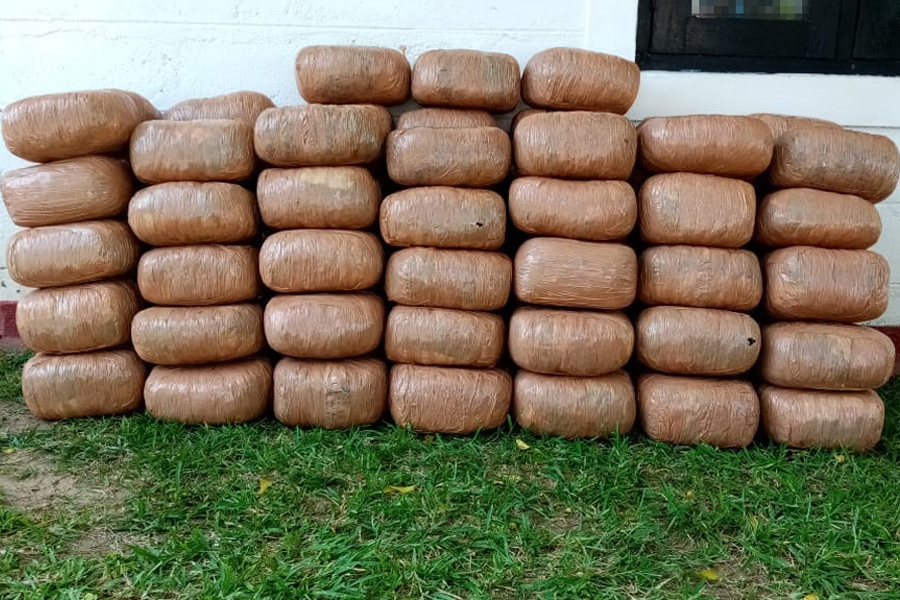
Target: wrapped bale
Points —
{"points": [[165, 335], [701, 210], [449, 400], [470, 157], [574, 407], [822, 356], [697, 341], [325, 326], [587, 210], [321, 135], [446, 118], [213, 150], [318, 198], [701, 277], [67, 191], [238, 106], [527, 112], [466, 79], [59, 126], [836, 160], [568, 342], [58, 255], [218, 394], [806, 217], [320, 260], [352, 75], [77, 318], [329, 394], [92, 384], [575, 145], [199, 275], [185, 212], [781, 124], [692, 410], [569, 273], [461, 279], [576, 79], [724, 145], [443, 337], [806, 283], [813, 419], [444, 217]]}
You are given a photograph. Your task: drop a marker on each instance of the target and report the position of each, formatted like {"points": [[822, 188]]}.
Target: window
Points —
{"points": [[770, 36]]}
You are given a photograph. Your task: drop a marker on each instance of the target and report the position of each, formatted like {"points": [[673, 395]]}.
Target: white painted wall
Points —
{"points": [[170, 50]]}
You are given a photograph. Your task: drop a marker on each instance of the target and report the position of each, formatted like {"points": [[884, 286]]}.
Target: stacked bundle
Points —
{"points": [[76, 252], [697, 280], [449, 272], [207, 329], [319, 259], [572, 189], [819, 376]]}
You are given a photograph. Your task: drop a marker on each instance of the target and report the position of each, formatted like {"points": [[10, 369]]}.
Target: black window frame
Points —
{"points": [[832, 36]]}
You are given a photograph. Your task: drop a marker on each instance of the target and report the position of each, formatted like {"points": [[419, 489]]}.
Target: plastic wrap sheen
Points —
{"points": [[461, 279], [199, 275], [238, 106], [443, 337], [573, 274], [444, 217], [574, 407], [449, 400], [466, 79], [781, 124], [352, 74], [446, 118]]}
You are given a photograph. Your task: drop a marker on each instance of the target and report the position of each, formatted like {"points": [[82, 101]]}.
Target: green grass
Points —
{"points": [[625, 518]]}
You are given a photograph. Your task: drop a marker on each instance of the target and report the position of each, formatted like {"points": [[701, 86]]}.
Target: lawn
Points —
{"points": [[135, 508]]}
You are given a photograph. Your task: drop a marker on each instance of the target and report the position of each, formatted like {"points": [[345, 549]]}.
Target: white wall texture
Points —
{"points": [[170, 50]]}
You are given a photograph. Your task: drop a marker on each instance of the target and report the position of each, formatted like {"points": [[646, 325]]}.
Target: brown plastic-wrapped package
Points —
{"points": [[574, 407], [525, 112], [466, 79], [697, 341], [461, 279], [194, 335], [321, 135], [807, 217], [693, 410], [730, 146], [199, 275], [700, 277], [320, 260], [471, 157], [576, 79], [67, 191], [569, 273], [324, 325], [65, 254], [444, 217], [238, 106], [807, 283], [575, 145], [77, 318], [185, 212], [781, 124], [701, 210], [836, 160], [443, 337], [92, 384], [449, 400], [446, 118], [814, 419], [218, 394], [823, 356], [570, 342], [318, 198], [213, 150], [58, 126], [329, 394], [352, 75], [587, 210]]}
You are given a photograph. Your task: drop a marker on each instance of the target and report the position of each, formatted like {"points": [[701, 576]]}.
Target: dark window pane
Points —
{"points": [[878, 30]]}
